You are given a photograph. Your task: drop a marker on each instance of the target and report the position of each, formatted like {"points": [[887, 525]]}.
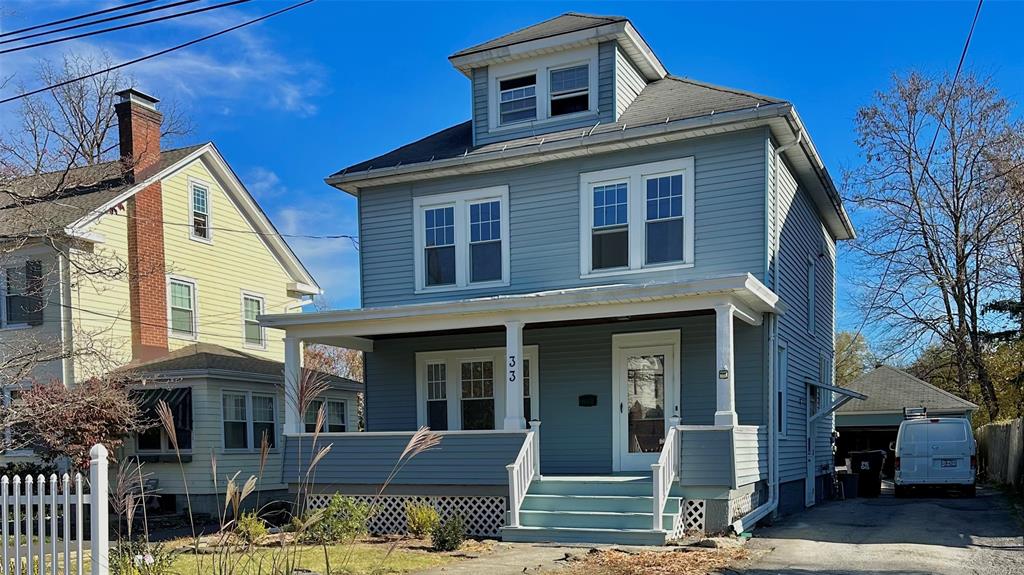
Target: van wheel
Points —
{"points": [[900, 491], [969, 490]]}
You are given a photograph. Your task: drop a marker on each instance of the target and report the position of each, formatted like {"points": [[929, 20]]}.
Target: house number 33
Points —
{"points": [[511, 368]]}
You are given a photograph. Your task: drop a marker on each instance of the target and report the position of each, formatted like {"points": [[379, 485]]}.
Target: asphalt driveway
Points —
{"points": [[932, 533]]}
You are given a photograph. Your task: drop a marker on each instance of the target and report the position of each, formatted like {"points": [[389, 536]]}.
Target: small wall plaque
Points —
{"points": [[723, 374], [588, 400]]}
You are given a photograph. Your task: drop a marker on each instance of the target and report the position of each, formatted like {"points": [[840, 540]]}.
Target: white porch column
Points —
{"points": [[725, 411], [293, 422], [514, 376]]}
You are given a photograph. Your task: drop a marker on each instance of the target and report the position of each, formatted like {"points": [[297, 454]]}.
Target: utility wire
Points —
{"points": [[155, 54], [100, 21], [79, 17], [917, 184], [121, 27]]}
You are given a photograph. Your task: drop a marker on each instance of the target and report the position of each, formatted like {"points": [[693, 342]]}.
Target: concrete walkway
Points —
{"points": [[511, 559]]}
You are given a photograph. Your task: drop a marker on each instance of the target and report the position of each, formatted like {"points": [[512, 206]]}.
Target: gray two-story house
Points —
{"points": [[612, 291]]}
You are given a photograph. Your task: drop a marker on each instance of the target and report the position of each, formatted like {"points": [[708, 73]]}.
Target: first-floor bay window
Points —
{"points": [[249, 418], [263, 420], [334, 416], [236, 422], [462, 239], [637, 217], [465, 389]]}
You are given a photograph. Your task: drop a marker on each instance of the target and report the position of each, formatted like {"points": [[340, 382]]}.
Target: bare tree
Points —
{"points": [[932, 245]]}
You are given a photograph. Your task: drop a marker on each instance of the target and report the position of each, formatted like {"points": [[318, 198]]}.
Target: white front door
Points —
{"points": [[645, 396]]}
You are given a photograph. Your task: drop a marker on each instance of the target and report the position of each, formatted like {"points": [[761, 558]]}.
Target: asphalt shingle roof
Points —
{"points": [[673, 98], [563, 24], [891, 389], [34, 205], [208, 356]]}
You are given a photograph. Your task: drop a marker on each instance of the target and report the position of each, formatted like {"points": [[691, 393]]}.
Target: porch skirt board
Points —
{"points": [[483, 515]]}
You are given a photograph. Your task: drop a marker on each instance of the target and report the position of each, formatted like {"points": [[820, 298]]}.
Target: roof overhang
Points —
{"points": [[782, 119], [353, 328], [623, 32]]}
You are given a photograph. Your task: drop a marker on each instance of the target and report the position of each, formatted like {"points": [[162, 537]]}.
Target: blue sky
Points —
{"points": [[297, 97]]}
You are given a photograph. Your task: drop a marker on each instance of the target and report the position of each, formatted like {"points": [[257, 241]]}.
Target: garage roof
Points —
{"points": [[890, 390]]}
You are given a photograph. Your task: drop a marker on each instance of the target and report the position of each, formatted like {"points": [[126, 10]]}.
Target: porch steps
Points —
{"points": [[609, 509]]}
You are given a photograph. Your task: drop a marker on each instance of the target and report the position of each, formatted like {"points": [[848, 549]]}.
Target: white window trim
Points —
{"points": [[192, 183], [782, 378], [249, 421], [812, 288], [636, 214], [327, 400], [195, 308], [453, 389], [542, 67], [460, 201], [263, 309]]}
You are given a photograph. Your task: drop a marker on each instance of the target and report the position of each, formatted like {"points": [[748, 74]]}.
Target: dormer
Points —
{"points": [[572, 71]]}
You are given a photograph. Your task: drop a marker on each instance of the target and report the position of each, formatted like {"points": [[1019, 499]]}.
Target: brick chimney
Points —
{"points": [[138, 124]]}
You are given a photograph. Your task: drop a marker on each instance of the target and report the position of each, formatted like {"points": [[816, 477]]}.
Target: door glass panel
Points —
{"points": [[645, 395]]}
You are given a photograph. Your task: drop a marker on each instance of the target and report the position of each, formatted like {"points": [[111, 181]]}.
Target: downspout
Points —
{"points": [[750, 519], [66, 325]]}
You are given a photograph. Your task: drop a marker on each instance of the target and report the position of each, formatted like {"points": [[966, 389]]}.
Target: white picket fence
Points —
{"points": [[43, 531]]}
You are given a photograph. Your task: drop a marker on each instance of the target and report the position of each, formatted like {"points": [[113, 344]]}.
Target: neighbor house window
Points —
{"points": [[462, 389], [462, 239], [200, 212], [21, 294], [334, 416], [570, 90], [782, 384], [252, 307], [263, 420], [518, 99], [182, 296], [811, 288], [236, 422], [16, 435], [637, 217]]}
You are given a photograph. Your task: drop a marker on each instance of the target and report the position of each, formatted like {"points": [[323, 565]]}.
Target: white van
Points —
{"points": [[936, 451]]}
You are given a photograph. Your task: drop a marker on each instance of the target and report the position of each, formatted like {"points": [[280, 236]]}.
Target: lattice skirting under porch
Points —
{"points": [[694, 513], [483, 515]]}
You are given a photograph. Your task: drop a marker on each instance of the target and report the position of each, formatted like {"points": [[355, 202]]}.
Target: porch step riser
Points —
{"points": [[621, 489], [628, 504], [555, 535], [590, 520]]}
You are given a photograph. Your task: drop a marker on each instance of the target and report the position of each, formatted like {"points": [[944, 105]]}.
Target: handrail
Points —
{"points": [[664, 473], [523, 471]]}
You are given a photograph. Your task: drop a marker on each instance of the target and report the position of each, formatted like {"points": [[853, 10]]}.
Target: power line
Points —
{"points": [[156, 54], [121, 27], [924, 167], [94, 22], [79, 17]]}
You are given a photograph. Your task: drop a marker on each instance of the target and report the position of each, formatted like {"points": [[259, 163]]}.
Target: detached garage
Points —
{"points": [[873, 423]]}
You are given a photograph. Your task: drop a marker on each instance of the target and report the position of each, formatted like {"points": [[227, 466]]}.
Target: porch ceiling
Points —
{"points": [[352, 328]]}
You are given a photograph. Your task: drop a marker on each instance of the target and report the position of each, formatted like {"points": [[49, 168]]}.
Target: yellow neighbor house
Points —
{"points": [[158, 265]]}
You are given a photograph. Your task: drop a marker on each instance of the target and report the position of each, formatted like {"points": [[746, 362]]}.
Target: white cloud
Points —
{"points": [[263, 183]]}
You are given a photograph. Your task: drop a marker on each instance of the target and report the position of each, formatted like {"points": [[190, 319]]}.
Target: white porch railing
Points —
{"points": [[664, 473], [523, 471], [28, 506]]}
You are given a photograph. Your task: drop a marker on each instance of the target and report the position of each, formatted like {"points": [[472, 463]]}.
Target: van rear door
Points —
{"points": [[912, 446], [949, 448]]}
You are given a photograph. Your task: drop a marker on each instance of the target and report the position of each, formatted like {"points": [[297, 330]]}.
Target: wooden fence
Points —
{"points": [[43, 522], [1001, 452]]}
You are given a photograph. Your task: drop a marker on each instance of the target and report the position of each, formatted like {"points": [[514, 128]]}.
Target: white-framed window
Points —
{"points": [[21, 294], [247, 417], [543, 89], [637, 218], [12, 397], [199, 211], [465, 389], [782, 393], [462, 239], [181, 304], [811, 289], [335, 416], [253, 334]]}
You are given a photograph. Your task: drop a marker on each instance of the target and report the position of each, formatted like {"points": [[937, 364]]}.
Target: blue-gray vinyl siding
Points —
{"points": [[801, 234], [368, 459], [706, 458], [628, 82], [544, 221], [751, 452], [574, 361]]}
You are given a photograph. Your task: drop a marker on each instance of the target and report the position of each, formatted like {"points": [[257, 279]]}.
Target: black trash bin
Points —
{"points": [[868, 467]]}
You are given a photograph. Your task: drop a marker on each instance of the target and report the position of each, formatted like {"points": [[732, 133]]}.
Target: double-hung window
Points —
{"points": [[477, 381], [541, 90], [637, 218], [200, 211], [570, 90], [462, 239], [518, 99], [252, 331], [236, 421], [334, 416], [248, 418], [263, 420], [182, 303], [21, 294], [437, 396]]}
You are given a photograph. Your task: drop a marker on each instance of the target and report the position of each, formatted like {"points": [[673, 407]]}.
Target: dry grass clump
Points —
{"points": [[680, 561]]}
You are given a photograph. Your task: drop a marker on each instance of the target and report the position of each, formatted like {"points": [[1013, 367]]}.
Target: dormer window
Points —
{"points": [[570, 90], [518, 99]]}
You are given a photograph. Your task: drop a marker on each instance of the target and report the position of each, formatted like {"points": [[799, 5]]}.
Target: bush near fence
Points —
{"points": [[1001, 452]]}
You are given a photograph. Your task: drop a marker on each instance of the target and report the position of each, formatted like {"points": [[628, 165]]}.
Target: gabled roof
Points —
{"points": [[890, 390], [214, 359], [562, 24]]}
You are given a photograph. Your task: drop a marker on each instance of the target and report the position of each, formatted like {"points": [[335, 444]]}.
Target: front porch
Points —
{"points": [[646, 410]]}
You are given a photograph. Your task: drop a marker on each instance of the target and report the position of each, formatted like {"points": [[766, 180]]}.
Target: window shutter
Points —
{"points": [[32, 303]]}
